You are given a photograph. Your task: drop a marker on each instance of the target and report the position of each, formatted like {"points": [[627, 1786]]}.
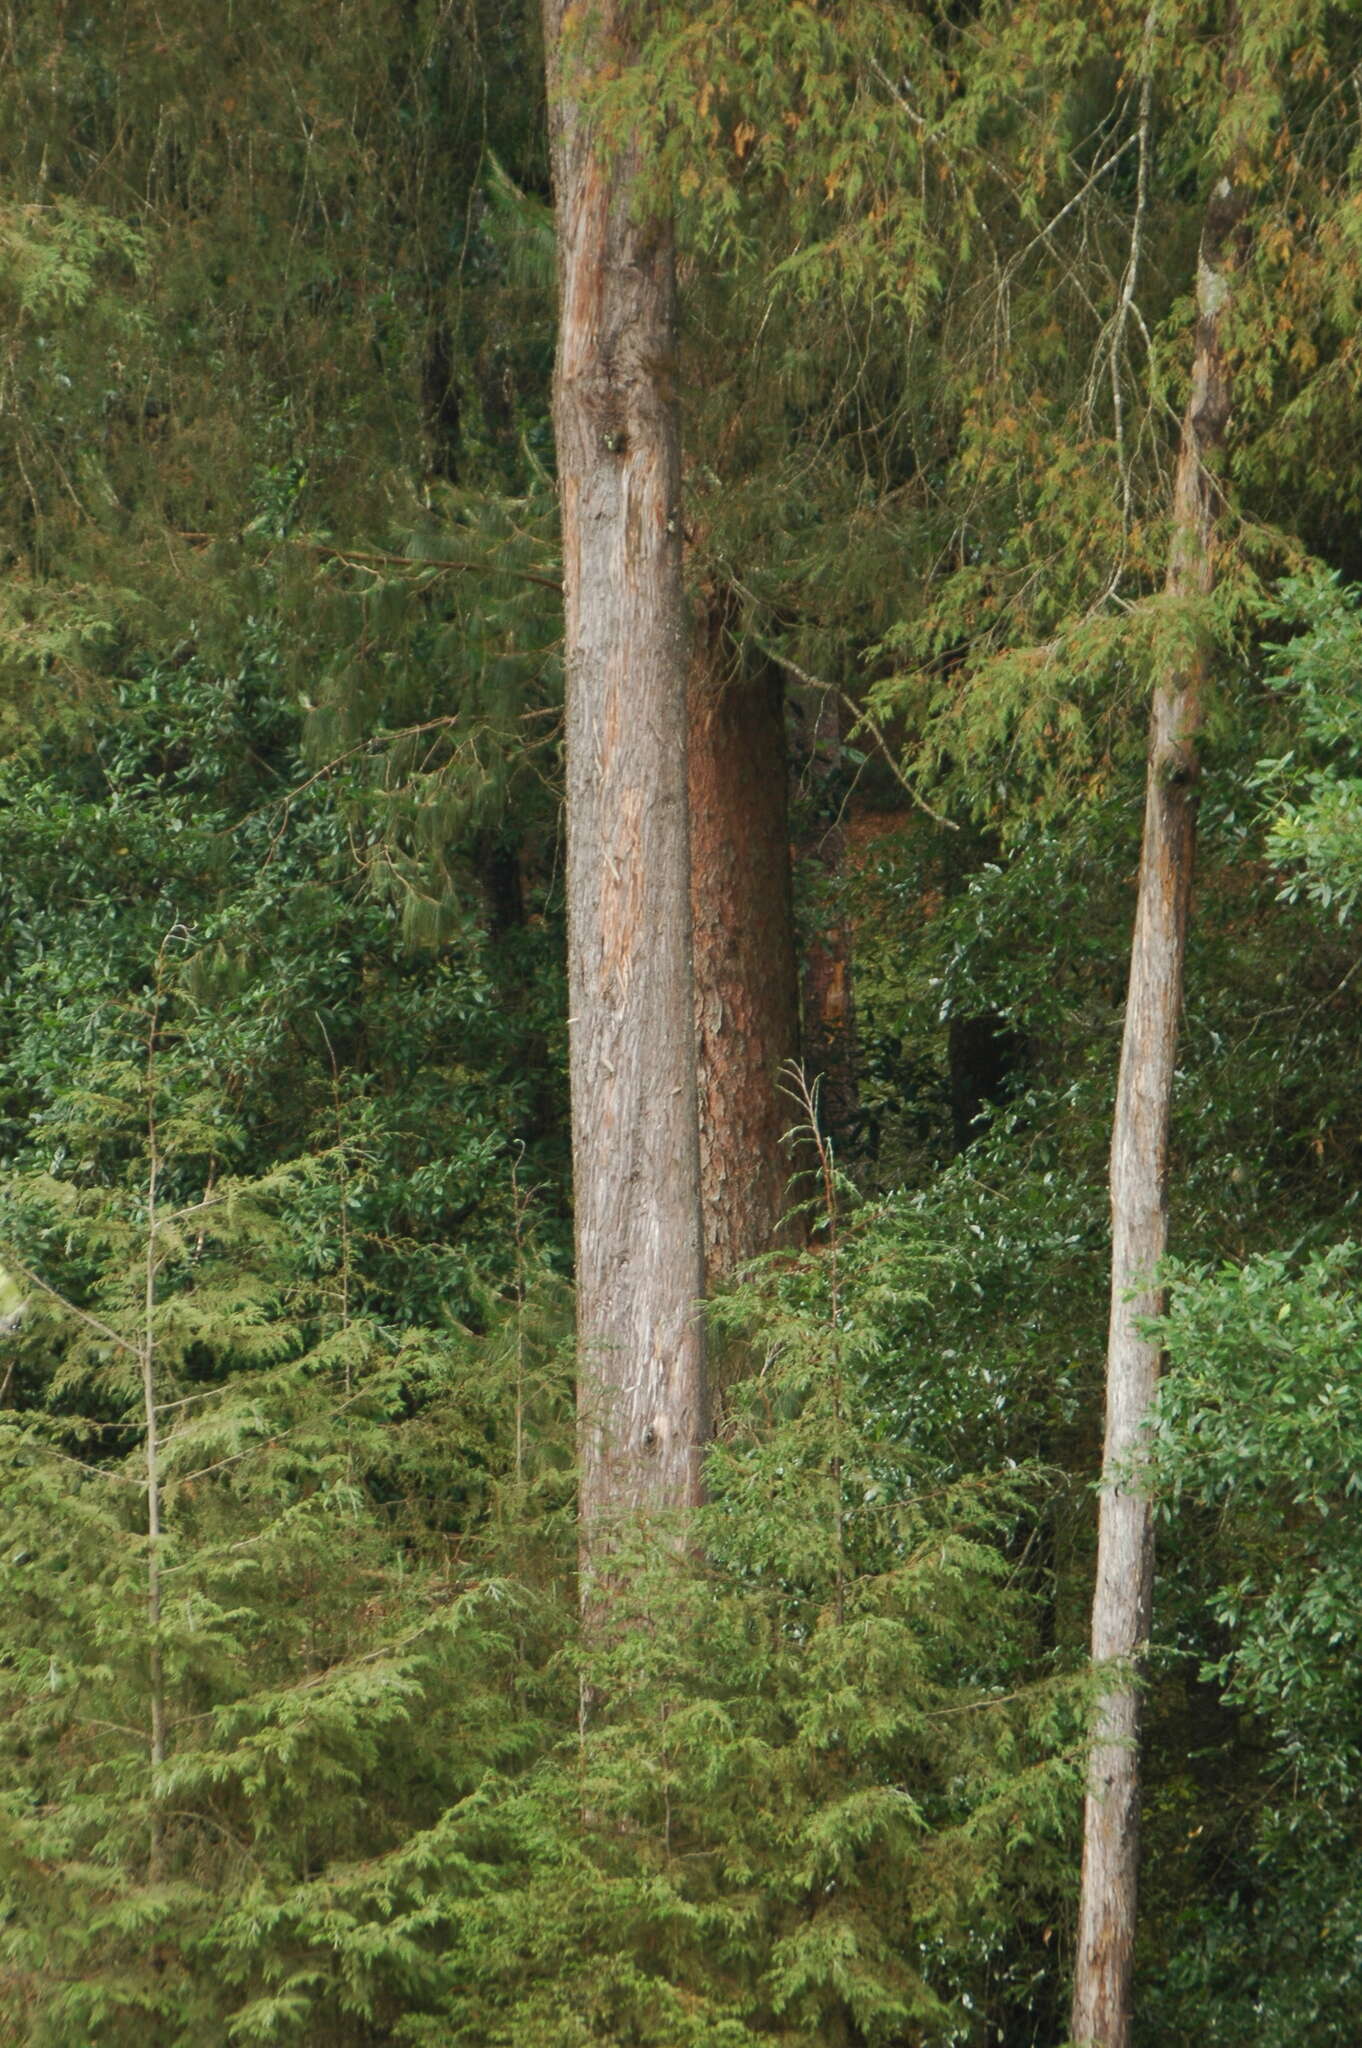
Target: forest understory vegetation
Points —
{"points": [[368, 1675]]}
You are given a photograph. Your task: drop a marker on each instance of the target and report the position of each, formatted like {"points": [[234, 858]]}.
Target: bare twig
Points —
{"points": [[862, 721], [82, 1315], [1132, 270]]}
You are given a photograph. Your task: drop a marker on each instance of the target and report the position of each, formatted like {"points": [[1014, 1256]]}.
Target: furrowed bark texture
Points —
{"points": [[746, 983], [642, 1416], [1139, 1169]]}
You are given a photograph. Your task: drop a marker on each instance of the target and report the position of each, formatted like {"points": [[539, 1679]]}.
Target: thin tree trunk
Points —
{"points": [[151, 1421], [1139, 1166], [746, 979], [642, 1416]]}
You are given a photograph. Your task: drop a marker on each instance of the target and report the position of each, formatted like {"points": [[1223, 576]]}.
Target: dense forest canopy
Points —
{"points": [[305, 1734]]}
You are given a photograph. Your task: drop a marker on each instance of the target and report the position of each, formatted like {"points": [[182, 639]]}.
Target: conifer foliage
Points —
{"points": [[292, 1398]]}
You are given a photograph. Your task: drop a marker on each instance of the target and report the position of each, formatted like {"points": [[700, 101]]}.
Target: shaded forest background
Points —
{"points": [[283, 1102]]}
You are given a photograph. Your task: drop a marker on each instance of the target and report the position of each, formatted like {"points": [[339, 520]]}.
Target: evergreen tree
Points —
{"points": [[285, 1030]]}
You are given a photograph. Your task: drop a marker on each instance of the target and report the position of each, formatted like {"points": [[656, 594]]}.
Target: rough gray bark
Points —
{"points": [[642, 1411], [1139, 1168], [746, 980]]}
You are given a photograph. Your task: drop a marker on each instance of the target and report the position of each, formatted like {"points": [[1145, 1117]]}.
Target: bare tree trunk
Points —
{"points": [[746, 981], [1139, 1166], [642, 1413], [151, 1416]]}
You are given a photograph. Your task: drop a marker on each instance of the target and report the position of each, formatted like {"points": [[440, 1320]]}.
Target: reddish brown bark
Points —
{"points": [[1122, 1599], [828, 1011], [746, 985], [642, 1412]]}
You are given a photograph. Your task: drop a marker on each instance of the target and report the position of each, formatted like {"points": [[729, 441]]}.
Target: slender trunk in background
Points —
{"points": [[151, 1419], [642, 1412], [1139, 1164], [829, 1018], [746, 978]]}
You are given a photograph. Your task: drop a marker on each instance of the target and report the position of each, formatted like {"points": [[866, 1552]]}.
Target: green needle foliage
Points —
{"points": [[252, 1641], [296, 1756], [290, 1669]]}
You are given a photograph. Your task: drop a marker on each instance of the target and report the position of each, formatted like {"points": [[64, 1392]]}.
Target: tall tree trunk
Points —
{"points": [[829, 1017], [642, 1412], [1139, 1166], [746, 980]]}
